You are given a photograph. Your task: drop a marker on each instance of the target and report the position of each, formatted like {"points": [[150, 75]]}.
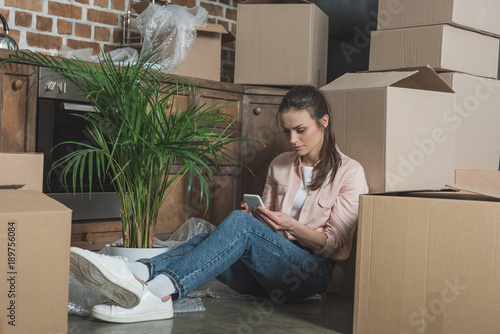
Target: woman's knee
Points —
{"points": [[238, 219]]}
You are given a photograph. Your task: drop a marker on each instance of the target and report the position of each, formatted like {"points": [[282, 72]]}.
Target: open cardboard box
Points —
{"points": [[35, 235], [396, 124], [428, 262], [280, 43]]}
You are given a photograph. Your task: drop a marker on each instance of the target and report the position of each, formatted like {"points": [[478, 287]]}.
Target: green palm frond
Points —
{"points": [[139, 137]]}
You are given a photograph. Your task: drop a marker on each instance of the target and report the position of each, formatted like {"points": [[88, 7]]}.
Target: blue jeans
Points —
{"points": [[249, 257]]}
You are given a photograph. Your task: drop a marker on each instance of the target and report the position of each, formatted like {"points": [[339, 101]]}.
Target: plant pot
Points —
{"points": [[134, 254]]}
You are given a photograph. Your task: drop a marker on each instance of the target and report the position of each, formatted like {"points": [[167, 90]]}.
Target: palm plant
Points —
{"points": [[141, 142]]}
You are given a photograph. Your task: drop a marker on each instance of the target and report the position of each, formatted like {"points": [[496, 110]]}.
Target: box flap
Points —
{"points": [[476, 190], [217, 28], [426, 79], [367, 80], [423, 78], [265, 2]]}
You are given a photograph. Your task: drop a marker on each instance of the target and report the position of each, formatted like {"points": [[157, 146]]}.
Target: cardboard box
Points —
{"points": [[22, 170], [478, 15], [477, 116], [35, 233], [281, 44], [442, 47], [428, 263], [204, 59], [393, 124], [489, 179]]}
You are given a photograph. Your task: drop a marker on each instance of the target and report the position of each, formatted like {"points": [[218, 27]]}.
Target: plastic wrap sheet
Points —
{"points": [[67, 52], [123, 54], [170, 31]]}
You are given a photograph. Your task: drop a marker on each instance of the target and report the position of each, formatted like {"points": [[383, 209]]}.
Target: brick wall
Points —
{"points": [[46, 25]]}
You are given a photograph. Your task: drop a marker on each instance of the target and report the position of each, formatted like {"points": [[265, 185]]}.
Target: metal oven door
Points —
{"points": [[57, 123]]}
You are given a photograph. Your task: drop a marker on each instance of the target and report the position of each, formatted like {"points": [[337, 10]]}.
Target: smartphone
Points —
{"points": [[253, 201]]}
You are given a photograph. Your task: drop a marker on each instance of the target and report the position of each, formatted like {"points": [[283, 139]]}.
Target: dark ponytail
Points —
{"points": [[311, 99]]}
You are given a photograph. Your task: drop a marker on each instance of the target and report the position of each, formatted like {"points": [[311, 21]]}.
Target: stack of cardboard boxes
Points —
{"points": [[459, 39], [421, 142], [427, 261]]}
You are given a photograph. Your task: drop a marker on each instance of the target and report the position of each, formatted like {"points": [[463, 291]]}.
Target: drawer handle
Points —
{"points": [[88, 236], [257, 111], [16, 85]]}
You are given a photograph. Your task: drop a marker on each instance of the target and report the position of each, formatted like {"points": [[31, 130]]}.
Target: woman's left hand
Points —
{"points": [[277, 221]]}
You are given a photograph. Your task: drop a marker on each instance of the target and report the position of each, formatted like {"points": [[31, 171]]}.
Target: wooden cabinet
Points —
{"points": [[259, 121], [18, 97]]}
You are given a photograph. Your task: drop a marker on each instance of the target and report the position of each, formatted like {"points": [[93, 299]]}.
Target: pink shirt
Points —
{"points": [[331, 209]]}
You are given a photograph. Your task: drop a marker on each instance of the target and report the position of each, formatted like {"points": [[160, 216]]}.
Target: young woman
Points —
{"points": [[284, 251]]}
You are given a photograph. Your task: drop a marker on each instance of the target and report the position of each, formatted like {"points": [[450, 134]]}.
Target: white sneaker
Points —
{"points": [[107, 275], [150, 308]]}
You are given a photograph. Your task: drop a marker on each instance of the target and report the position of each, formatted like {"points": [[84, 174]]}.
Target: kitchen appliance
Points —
{"points": [[59, 101], [7, 42]]}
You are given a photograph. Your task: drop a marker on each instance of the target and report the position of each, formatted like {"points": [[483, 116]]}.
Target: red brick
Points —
{"points": [[118, 4], [64, 27], [86, 2], [102, 17], [231, 14], [109, 47], [83, 30], [23, 19], [101, 3], [5, 13], [102, 34], [118, 36], [186, 3], [16, 34], [212, 20], [62, 10], [43, 41], [43, 23], [31, 5], [77, 45], [213, 9], [226, 2]]}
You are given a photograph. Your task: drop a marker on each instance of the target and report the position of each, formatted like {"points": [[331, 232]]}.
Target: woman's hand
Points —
{"points": [[245, 207], [284, 223], [277, 221]]}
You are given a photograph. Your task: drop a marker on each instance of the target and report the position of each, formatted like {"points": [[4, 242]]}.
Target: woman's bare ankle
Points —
{"points": [[140, 280]]}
